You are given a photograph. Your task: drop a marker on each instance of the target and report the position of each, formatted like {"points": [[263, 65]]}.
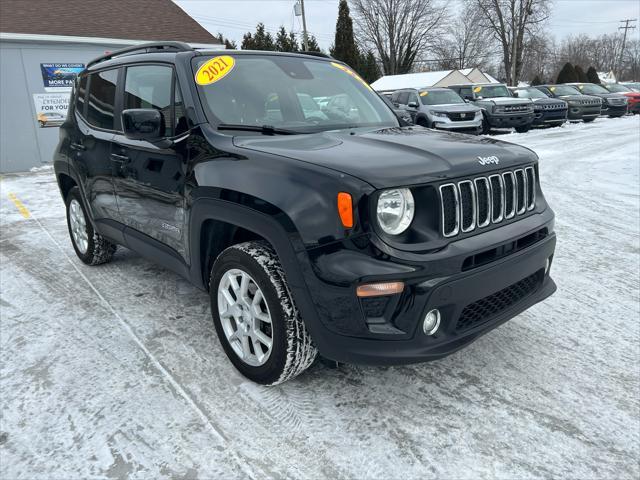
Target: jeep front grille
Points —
{"points": [[476, 203]]}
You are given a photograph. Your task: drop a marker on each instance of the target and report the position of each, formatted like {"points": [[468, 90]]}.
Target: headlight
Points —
{"points": [[395, 210], [439, 114], [498, 109], [478, 114]]}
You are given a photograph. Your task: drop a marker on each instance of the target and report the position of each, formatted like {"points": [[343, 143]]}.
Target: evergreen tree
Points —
{"points": [[592, 76], [286, 42], [344, 47], [369, 69], [567, 74], [582, 77], [260, 40], [313, 44], [536, 80], [229, 44]]}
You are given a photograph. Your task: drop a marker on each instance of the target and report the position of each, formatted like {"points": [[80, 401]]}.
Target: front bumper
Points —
{"points": [[614, 110], [509, 120], [550, 117], [347, 332], [445, 123], [579, 112]]}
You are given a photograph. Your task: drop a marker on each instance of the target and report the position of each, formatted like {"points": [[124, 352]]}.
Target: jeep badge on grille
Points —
{"points": [[488, 160]]}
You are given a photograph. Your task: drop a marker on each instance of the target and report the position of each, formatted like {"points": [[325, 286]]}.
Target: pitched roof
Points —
{"points": [[136, 20], [409, 80]]}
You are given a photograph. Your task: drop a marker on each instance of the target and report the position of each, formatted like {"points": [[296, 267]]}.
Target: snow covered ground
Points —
{"points": [[115, 371]]}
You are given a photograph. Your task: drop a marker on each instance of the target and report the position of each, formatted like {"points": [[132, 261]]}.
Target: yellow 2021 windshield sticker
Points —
{"points": [[352, 73], [215, 69], [424, 94], [477, 89]]}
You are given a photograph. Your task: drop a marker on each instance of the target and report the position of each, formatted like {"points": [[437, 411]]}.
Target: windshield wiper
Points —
{"points": [[264, 129]]}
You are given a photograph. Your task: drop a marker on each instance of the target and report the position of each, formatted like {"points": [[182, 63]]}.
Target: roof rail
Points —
{"points": [[315, 54], [143, 48]]}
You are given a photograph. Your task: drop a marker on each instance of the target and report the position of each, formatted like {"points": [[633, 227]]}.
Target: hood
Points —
{"points": [[453, 107], [393, 157], [508, 100], [547, 101], [578, 97]]}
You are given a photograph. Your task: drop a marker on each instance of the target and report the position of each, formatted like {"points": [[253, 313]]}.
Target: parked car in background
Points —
{"points": [[635, 86], [633, 96], [613, 104], [499, 108], [400, 113], [439, 108], [581, 107], [548, 111]]}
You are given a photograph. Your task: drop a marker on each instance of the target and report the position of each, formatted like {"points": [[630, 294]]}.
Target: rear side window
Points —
{"points": [[82, 91], [102, 95], [150, 86]]}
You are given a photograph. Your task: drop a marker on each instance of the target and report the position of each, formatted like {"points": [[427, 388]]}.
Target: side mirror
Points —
{"points": [[142, 124], [479, 97], [515, 94], [412, 105], [467, 98]]}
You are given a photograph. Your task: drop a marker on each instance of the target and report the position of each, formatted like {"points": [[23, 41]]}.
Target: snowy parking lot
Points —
{"points": [[115, 371]]}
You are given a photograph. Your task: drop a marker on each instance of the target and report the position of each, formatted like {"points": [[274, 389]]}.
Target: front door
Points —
{"points": [[150, 177]]}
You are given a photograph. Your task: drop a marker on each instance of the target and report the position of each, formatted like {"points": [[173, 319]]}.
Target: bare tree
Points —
{"points": [[465, 44], [512, 23], [398, 30]]}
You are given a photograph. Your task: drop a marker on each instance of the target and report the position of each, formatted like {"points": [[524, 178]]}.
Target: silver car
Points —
{"points": [[439, 108]]}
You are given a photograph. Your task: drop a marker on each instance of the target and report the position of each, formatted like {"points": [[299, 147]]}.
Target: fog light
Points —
{"points": [[431, 322]]}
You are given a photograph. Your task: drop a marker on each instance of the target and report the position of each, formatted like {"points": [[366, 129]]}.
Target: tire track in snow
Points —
{"points": [[215, 430]]}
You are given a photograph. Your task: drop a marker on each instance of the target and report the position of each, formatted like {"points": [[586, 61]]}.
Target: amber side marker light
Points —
{"points": [[379, 289], [345, 209]]}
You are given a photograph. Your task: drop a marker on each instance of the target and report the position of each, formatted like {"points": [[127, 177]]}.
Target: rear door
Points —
{"points": [[150, 177], [90, 141]]}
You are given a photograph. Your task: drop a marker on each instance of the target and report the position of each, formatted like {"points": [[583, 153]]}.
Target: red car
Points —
{"points": [[632, 95]]}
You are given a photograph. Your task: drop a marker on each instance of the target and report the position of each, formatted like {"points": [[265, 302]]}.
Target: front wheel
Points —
{"points": [[523, 129], [485, 128], [588, 120], [258, 324], [91, 247]]}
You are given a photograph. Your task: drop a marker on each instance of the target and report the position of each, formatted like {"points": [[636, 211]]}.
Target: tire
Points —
{"points": [[292, 351], [91, 247], [588, 120], [423, 123], [524, 129], [485, 129]]}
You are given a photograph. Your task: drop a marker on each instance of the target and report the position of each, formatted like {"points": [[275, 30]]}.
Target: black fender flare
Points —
{"points": [[288, 247]]}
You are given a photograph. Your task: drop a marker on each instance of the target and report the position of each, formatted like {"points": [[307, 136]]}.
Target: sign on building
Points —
{"points": [[58, 76], [51, 108]]}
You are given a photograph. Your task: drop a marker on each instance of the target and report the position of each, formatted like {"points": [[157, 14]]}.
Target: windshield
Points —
{"points": [[491, 91], [530, 93], [592, 89], [293, 93], [564, 90], [616, 88], [439, 97]]}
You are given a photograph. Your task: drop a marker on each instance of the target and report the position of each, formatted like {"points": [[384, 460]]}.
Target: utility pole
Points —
{"points": [[305, 36], [624, 40]]}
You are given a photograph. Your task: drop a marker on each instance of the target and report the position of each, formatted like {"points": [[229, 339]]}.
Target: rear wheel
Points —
{"points": [[587, 120], [257, 322], [91, 247], [523, 129]]}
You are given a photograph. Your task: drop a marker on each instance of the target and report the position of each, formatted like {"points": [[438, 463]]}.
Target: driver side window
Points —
{"points": [[150, 86]]}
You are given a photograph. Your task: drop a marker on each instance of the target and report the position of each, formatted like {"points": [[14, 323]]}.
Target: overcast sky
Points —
{"points": [[235, 17]]}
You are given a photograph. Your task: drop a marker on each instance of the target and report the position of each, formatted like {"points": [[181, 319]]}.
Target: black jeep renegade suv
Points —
{"points": [[284, 186]]}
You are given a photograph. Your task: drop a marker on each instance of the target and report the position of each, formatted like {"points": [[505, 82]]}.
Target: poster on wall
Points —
{"points": [[51, 108], [59, 76]]}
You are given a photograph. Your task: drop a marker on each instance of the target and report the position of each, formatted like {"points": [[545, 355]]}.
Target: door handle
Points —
{"points": [[77, 146], [119, 158]]}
